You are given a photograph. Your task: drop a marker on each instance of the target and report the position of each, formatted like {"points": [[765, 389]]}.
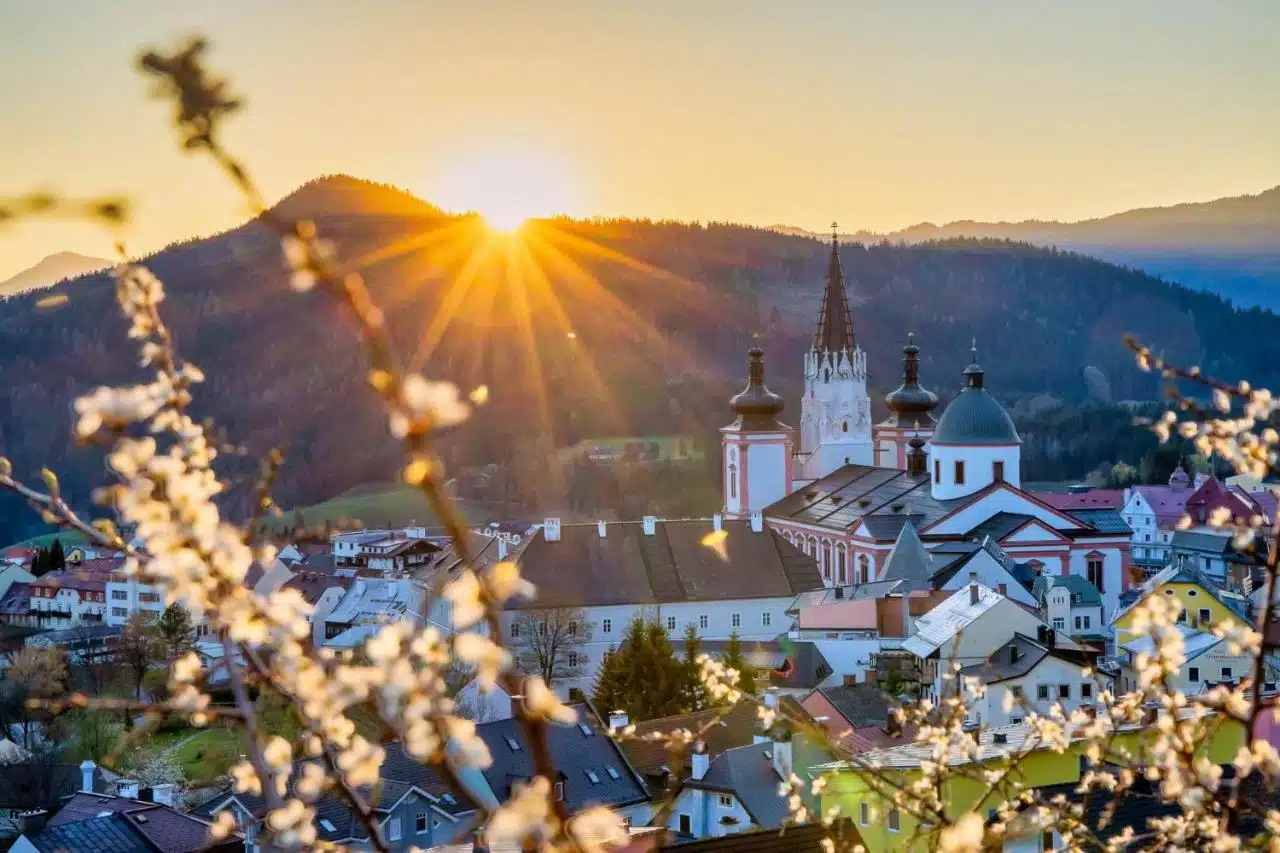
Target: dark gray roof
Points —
{"points": [[1083, 593], [855, 493], [999, 525], [167, 830], [792, 839], [627, 566], [747, 773], [1102, 520], [797, 663], [975, 417], [1019, 656], [111, 833], [862, 705], [908, 561], [78, 634], [1204, 543], [16, 600], [574, 751], [37, 784]]}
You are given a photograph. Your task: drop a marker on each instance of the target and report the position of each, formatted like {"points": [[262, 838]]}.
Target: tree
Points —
{"points": [[548, 642], [95, 733], [34, 673], [176, 631], [1122, 476], [733, 657], [642, 676], [695, 692], [88, 656], [140, 647], [57, 557]]}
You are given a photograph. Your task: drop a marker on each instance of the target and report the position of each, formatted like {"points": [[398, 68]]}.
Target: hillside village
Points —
{"points": [[852, 567]]}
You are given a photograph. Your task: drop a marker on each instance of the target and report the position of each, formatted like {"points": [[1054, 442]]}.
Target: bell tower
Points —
{"points": [[835, 415], [757, 448], [910, 414]]}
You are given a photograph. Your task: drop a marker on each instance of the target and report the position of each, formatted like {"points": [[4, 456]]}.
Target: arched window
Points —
{"points": [[733, 480], [844, 427], [826, 560], [812, 550], [864, 569], [842, 557]]}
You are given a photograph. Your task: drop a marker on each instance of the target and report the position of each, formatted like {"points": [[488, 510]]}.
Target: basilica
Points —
{"points": [[851, 490]]}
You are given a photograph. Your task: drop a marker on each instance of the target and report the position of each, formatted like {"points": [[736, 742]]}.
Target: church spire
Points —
{"points": [[835, 323]]}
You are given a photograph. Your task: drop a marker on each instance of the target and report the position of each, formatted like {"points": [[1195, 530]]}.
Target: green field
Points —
{"points": [[44, 540], [378, 504], [669, 446]]}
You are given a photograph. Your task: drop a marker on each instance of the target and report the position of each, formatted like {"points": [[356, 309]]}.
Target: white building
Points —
{"points": [[369, 604], [740, 581], [1072, 605], [1028, 675]]}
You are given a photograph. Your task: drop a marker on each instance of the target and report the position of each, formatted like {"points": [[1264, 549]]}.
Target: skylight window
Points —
{"points": [[327, 824], [613, 771], [448, 798], [585, 729], [513, 743], [592, 777]]}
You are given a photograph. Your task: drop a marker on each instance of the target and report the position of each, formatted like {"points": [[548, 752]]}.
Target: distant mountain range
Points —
{"points": [[53, 269], [1229, 246], [589, 328]]}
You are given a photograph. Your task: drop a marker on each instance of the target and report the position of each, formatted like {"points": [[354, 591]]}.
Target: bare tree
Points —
{"points": [[549, 642], [140, 647], [34, 674], [89, 656]]}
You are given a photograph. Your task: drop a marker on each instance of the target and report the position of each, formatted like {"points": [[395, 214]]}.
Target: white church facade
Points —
{"points": [[845, 493]]}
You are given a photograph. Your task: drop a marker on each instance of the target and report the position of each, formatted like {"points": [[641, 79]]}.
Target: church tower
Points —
{"points": [[835, 414], [757, 448], [910, 414], [975, 443]]}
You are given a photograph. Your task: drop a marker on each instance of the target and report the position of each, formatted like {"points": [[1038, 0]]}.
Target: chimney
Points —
{"points": [[917, 459], [87, 769], [128, 788], [602, 528], [770, 698], [973, 587], [757, 522], [32, 822], [165, 794], [551, 530], [699, 762], [650, 525], [717, 522], [618, 720], [502, 548], [782, 758]]}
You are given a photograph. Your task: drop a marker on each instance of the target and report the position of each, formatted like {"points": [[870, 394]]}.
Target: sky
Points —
{"points": [[874, 114]]}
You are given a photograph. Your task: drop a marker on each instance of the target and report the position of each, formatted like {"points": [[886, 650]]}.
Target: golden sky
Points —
{"points": [[876, 114]]}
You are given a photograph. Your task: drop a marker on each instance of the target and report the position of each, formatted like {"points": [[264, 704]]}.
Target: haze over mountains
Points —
{"points": [[51, 270], [661, 315], [1229, 246]]}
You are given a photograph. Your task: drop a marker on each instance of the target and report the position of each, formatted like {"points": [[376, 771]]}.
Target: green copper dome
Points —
{"points": [[974, 416]]}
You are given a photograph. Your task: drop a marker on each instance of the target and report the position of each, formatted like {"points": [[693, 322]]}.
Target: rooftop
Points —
{"points": [[1083, 593], [1019, 656]]}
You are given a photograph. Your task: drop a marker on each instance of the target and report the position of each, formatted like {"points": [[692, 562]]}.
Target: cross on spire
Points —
{"points": [[834, 226], [835, 323]]}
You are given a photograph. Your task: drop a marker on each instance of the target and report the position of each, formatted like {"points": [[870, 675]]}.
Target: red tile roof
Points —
{"points": [[1092, 499]]}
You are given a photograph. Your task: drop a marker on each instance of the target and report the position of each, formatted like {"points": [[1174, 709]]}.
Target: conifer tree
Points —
{"points": [[642, 676], [57, 557], [733, 657], [695, 693]]}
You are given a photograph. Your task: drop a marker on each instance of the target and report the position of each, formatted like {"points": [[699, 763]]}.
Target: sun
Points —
{"points": [[508, 184]]}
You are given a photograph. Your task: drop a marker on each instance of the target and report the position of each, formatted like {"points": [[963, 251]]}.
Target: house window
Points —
{"points": [[1060, 624], [560, 789], [420, 822], [573, 629], [1046, 840], [1042, 692], [606, 625], [1094, 566], [119, 611], [864, 569], [1086, 690], [765, 619], [703, 621], [1226, 673], [1077, 623], [686, 825], [574, 659], [393, 829], [1193, 674], [864, 814], [515, 630], [671, 623], [1064, 691], [997, 471], [736, 620], [895, 821], [1204, 615], [844, 427], [119, 595], [1086, 621], [937, 470], [959, 472], [726, 801], [1004, 589], [1016, 691]]}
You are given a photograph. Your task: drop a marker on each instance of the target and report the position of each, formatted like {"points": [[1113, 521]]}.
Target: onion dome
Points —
{"points": [[756, 406], [974, 416], [911, 402]]}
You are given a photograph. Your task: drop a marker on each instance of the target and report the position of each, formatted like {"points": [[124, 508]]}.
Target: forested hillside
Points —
{"points": [[579, 329]]}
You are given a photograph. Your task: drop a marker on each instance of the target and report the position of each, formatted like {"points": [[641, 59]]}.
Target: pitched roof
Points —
{"points": [[793, 839], [1102, 520], [1019, 656], [999, 525], [166, 829], [854, 493], [112, 833], [1181, 572], [908, 561], [579, 752], [1092, 499], [1195, 643], [16, 600], [1083, 593], [861, 705], [627, 566], [313, 584], [747, 772], [943, 622], [737, 726], [835, 322]]}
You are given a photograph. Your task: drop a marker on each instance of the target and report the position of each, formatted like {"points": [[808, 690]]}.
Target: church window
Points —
{"points": [[864, 569], [1093, 564], [844, 427], [937, 470], [959, 472], [827, 562], [997, 471], [733, 480], [842, 556]]}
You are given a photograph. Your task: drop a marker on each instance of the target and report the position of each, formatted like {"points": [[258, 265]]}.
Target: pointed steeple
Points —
{"points": [[835, 323], [909, 561]]}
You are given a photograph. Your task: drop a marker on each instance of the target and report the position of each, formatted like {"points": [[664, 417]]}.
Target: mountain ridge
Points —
{"points": [[50, 270]]}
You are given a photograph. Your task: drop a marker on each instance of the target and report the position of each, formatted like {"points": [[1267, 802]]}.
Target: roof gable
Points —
{"points": [[1033, 530], [999, 498]]}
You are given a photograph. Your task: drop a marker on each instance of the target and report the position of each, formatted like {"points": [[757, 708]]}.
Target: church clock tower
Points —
{"points": [[835, 415]]}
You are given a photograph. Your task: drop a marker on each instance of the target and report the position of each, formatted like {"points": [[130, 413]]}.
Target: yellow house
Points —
{"points": [[1204, 605], [885, 828], [1208, 660]]}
